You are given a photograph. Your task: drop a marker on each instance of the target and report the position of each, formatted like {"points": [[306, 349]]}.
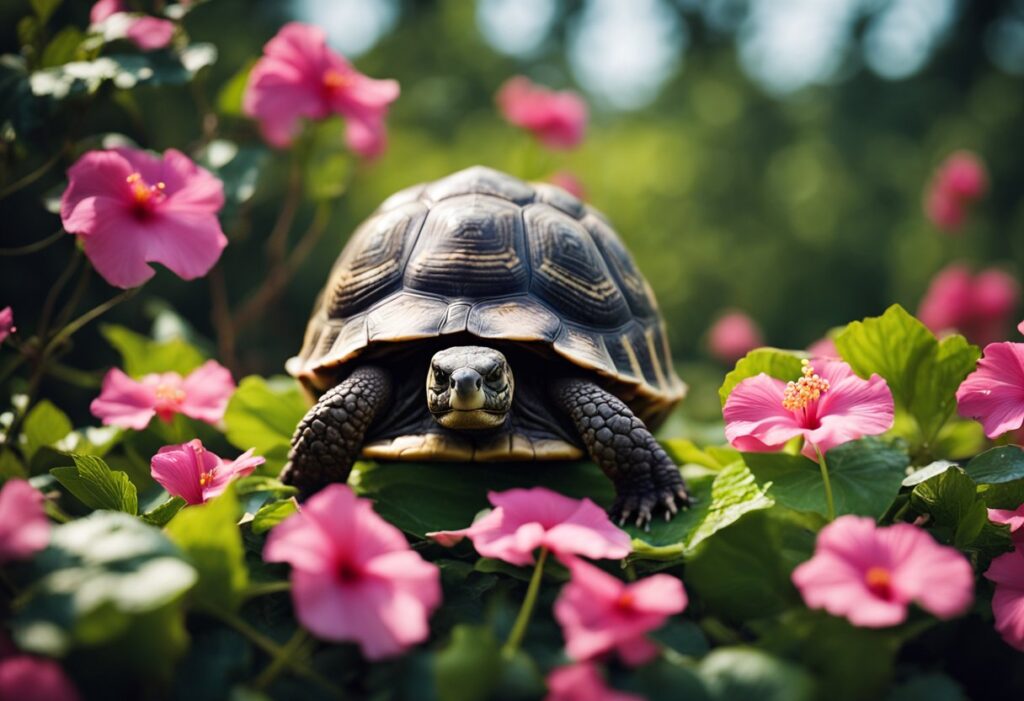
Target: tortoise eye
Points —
{"points": [[496, 374], [440, 377]]}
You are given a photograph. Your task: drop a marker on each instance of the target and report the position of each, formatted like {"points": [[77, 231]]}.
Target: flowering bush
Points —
{"points": [[857, 524]]}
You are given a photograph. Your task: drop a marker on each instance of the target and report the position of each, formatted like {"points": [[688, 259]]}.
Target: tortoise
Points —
{"points": [[482, 318]]}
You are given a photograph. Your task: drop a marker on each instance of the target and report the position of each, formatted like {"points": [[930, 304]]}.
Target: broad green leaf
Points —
{"points": [[996, 466], [927, 687], [44, 9], [45, 425], [208, 535], [272, 514], [922, 372], [263, 414], [10, 466], [685, 452], [958, 514], [63, 47], [743, 572], [747, 673], [783, 365], [229, 100], [719, 501], [97, 486], [99, 575], [237, 167], [160, 515], [141, 355], [865, 475], [927, 472], [123, 71], [260, 483], [468, 668]]}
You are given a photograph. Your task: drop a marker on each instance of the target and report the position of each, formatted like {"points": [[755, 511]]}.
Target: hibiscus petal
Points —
{"points": [[150, 33], [590, 533], [659, 594], [851, 409], [939, 578], [188, 243], [199, 190], [177, 471], [100, 174], [754, 415], [24, 528], [207, 389], [116, 247], [994, 393], [124, 402]]}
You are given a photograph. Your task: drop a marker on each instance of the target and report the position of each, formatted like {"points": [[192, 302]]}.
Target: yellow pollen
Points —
{"points": [[805, 390], [170, 393], [335, 80], [143, 191], [205, 478], [877, 578], [625, 600]]}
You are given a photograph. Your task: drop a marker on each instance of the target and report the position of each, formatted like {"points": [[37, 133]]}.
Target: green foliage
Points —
{"points": [[959, 514], [263, 414], [269, 515], [141, 356], [97, 486], [208, 535], [468, 668], [45, 425], [735, 673], [865, 477], [922, 372], [780, 364]]}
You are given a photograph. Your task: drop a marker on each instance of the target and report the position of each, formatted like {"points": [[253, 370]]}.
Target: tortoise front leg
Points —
{"points": [[645, 477], [330, 436]]}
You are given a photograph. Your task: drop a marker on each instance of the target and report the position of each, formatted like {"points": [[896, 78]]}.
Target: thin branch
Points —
{"points": [[277, 242], [220, 314], [32, 176], [35, 246]]}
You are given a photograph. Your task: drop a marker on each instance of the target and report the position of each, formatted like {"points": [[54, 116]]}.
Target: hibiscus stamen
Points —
{"points": [[879, 581], [798, 395], [169, 394], [626, 600], [205, 478], [334, 80], [143, 192]]}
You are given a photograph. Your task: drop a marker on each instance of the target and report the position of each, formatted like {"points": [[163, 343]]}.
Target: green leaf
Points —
{"points": [[685, 452], [272, 514], [263, 414], [467, 668], [927, 472], [958, 513], [97, 486], [160, 515], [45, 425], [229, 100], [745, 673], [63, 47], [865, 477], [927, 687], [237, 167], [209, 536], [743, 572], [718, 502], [922, 373], [776, 363], [260, 483], [99, 574], [44, 9], [124, 71], [996, 466], [141, 355]]}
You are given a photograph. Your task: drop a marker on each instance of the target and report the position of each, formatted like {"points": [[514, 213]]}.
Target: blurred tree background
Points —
{"points": [[764, 155]]}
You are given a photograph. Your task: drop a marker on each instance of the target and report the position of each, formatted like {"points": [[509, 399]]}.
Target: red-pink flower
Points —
{"points": [[600, 614], [525, 519], [1014, 518], [958, 182], [870, 575], [582, 682], [568, 182], [128, 403], [6, 323], [1007, 572], [733, 336], [994, 393], [28, 678], [24, 528], [193, 473], [979, 306], [129, 208], [148, 33], [558, 119], [299, 77], [354, 576], [827, 408]]}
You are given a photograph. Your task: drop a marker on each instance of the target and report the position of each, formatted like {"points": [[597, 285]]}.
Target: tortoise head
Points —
{"points": [[469, 387]]}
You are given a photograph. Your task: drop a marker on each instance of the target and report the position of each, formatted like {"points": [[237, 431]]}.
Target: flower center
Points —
{"points": [[146, 195], [798, 395], [205, 478], [334, 80], [625, 600], [169, 394], [879, 581], [347, 573]]}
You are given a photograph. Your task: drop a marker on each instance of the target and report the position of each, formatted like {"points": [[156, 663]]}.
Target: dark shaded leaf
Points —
{"points": [[97, 486]]}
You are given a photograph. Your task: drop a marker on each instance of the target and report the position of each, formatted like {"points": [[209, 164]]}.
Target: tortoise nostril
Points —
{"points": [[478, 383], [466, 382]]}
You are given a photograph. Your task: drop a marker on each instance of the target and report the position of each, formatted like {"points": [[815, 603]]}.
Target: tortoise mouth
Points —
{"points": [[470, 418]]}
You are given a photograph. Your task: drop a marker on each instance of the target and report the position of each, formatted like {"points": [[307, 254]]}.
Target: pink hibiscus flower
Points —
{"points": [[558, 119], [147, 33], [824, 348], [525, 519], [193, 473], [1007, 572], [28, 678], [568, 182], [354, 576], [733, 336], [994, 393], [6, 323], [979, 306], [957, 183], [1014, 518], [827, 409], [299, 77], [24, 528], [600, 614], [128, 403], [129, 208], [870, 575], [582, 682]]}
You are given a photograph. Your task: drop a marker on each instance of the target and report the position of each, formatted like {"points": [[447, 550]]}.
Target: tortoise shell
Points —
{"points": [[484, 253]]}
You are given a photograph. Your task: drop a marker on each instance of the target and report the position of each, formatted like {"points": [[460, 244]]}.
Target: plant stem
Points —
{"points": [[265, 588], [828, 484], [220, 314], [34, 246], [526, 610], [32, 176], [73, 327], [271, 672]]}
